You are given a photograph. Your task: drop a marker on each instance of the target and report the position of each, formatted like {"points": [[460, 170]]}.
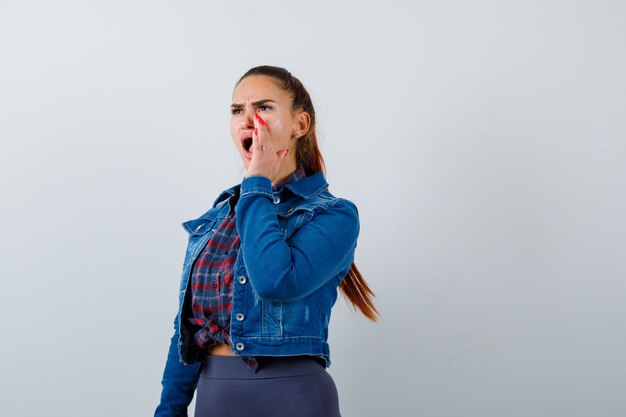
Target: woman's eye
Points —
{"points": [[234, 111], [265, 107]]}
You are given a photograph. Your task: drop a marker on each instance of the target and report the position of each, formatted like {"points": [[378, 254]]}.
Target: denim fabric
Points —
{"points": [[296, 247]]}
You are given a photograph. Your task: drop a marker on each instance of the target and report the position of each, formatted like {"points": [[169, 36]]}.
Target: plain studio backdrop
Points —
{"points": [[484, 143]]}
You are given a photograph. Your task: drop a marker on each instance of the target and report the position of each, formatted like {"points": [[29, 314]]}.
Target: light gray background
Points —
{"points": [[484, 143]]}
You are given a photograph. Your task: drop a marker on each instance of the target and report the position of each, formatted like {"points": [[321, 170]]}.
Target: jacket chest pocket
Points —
{"points": [[197, 229], [293, 218]]}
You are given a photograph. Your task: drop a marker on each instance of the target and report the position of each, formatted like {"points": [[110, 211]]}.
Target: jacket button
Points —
{"points": [[276, 200], [239, 346], [239, 316], [242, 279]]}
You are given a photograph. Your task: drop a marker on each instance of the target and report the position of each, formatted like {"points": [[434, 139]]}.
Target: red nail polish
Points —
{"points": [[260, 120]]}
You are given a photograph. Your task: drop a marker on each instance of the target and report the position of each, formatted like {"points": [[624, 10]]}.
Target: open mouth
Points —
{"points": [[247, 143]]}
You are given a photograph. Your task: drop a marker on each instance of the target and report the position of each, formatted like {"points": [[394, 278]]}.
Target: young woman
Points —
{"points": [[262, 269]]}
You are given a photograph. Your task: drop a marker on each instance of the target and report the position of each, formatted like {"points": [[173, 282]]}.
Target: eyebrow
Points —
{"points": [[254, 103]]}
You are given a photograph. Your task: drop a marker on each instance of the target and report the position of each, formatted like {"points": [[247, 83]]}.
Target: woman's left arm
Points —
{"points": [[287, 270]]}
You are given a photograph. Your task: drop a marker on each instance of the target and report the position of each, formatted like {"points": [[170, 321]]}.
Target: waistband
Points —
{"points": [[216, 366]]}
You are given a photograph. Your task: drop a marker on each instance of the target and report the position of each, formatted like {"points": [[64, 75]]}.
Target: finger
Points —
{"points": [[281, 155], [260, 120], [263, 133], [281, 158], [258, 143]]}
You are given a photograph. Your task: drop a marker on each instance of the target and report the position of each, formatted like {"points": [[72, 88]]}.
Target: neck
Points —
{"points": [[287, 168]]}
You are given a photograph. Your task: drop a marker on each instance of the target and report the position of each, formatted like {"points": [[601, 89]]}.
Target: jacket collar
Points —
{"points": [[310, 186], [234, 190], [306, 188]]}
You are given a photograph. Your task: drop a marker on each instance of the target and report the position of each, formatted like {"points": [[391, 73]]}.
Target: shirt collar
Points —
{"points": [[298, 174]]}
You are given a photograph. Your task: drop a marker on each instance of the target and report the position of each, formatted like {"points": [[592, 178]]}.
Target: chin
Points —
{"points": [[245, 162]]}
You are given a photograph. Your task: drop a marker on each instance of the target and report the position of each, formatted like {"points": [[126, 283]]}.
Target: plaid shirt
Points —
{"points": [[212, 281]]}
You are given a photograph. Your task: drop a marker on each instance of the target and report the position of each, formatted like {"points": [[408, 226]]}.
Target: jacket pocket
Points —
{"points": [[293, 218], [271, 318], [197, 229]]}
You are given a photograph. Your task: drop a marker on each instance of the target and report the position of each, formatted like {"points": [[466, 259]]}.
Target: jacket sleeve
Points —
{"points": [[287, 270], [179, 382]]}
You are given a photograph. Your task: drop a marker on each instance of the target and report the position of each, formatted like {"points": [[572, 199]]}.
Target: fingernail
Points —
{"points": [[286, 152], [260, 120], [256, 131]]}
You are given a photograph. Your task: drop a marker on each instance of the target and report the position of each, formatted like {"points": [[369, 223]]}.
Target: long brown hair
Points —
{"points": [[308, 154]]}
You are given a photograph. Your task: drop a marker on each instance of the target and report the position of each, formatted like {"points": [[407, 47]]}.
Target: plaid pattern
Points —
{"points": [[212, 281]]}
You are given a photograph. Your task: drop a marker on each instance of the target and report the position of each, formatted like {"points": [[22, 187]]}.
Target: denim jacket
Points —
{"points": [[296, 247]]}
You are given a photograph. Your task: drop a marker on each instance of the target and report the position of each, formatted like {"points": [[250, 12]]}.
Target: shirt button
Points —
{"points": [[239, 316], [242, 279], [239, 346], [276, 200]]}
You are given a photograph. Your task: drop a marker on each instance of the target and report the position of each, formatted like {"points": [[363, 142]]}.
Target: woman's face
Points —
{"points": [[258, 94]]}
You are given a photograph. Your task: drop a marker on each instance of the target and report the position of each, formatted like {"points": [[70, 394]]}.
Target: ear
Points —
{"points": [[302, 121]]}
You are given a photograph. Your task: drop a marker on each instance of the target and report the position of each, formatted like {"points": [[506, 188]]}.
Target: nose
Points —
{"points": [[247, 120]]}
